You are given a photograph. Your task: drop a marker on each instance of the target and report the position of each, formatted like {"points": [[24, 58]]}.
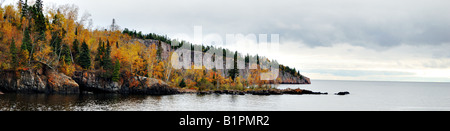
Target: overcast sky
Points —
{"points": [[393, 40]]}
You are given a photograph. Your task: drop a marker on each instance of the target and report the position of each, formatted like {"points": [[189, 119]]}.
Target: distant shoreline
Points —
{"points": [[380, 81]]}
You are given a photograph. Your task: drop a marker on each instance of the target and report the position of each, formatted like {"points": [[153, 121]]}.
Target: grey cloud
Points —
{"points": [[358, 73]]}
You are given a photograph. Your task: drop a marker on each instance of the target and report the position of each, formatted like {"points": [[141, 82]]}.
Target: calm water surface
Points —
{"points": [[364, 96]]}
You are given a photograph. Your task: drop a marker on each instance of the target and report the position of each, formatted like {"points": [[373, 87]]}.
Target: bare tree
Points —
{"points": [[1, 2], [168, 66], [85, 17]]}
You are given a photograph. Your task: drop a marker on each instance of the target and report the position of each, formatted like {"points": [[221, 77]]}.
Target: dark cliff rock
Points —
{"points": [[301, 92], [343, 93], [92, 82], [147, 86], [44, 80], [285, 77]]}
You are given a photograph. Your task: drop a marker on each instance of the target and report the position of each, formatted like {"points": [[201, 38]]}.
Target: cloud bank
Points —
{"points": [[405, 40]]}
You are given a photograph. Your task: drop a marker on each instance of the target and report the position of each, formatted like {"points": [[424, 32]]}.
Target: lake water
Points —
{"points": [[372, 96]]}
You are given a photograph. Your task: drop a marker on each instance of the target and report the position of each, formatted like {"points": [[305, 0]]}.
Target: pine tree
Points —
{"points": [[235, 71], [107, 62], [182, 83], [257, 59], [13, 52], [116, 73], [65, 54], [247, 59], [24, 7], [100, 54], [40, 20], [26, 42], [85, 57], [76, 50]]}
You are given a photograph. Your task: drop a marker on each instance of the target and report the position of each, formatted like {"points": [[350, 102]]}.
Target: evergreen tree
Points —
{"points": [[40, 20], [76, 50], [76, 31], [13, 52], [26, 41], [100, 54], [24, 7], [38, 5], [257, 59], [85, 57], [247, 59], [182, 83], [116, 73], [65, 54], [235, 71], [107, 62]]}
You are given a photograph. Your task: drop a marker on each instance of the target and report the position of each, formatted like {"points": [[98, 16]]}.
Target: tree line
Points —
{"points": [[58, 38]]}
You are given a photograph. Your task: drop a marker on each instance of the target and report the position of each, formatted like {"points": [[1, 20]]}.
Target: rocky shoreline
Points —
{"points": [[260, 92], [48, 81]]}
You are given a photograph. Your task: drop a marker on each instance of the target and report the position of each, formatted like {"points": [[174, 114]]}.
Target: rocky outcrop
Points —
{"points": [[37, 81], [301, 92], [92, 82], [285, 77], [343, 93], [147, 86]]}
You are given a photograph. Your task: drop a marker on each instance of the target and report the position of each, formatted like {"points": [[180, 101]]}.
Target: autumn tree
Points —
{"points": [[204, 84], [85, 57], [57, 35], [158, 71], [151, 60]]}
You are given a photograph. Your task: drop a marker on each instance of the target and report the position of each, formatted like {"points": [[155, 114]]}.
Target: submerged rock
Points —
{"points": [[204, 92], [302, 92], [343, 93], [260, 92]]}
